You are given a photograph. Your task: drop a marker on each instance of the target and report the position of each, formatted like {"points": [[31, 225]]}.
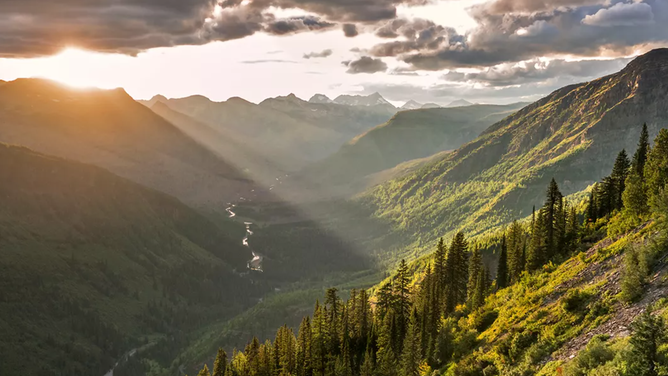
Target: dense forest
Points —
{"points": [[416, 325]]}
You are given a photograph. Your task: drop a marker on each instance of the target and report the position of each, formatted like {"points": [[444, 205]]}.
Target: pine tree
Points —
{"points": [[592, 206], [402, 299], [474, 273], [656, 168], [648, 334], [551, 209], [640, 156], [303, 356], [369, 364], [502, 268], [439, 272], [481, 287], [537, 253], [220, 364], [620, 172], [386, 356], [411, 356], [635, 196], [204, 371], [572, 230], [516, 239], [318, 341], [456, 271]]}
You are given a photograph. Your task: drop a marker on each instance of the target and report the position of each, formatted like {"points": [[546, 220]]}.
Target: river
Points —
{"points": [[254, 264]]}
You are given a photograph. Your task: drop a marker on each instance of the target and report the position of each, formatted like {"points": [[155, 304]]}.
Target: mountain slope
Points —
{"points": [[92, 263], [286, 130], [572, 135], [374, 99], [111, 130], [408, 135]]}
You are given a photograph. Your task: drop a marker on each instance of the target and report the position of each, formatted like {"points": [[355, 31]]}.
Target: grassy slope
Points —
{"points": [[408, 135], [572, 135], [86, 253]]}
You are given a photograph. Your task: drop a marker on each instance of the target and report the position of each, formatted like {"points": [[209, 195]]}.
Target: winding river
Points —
{"points": [[254, 264]]}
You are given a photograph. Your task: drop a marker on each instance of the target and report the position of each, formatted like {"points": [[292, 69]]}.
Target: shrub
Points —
{"points": [[520, 342], [575, 300], [634, 274], [485, 319], [596, 353]]}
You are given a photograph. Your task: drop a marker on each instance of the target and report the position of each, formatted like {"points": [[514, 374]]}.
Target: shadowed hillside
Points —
{"points": [[109, 129], [93, 263]]}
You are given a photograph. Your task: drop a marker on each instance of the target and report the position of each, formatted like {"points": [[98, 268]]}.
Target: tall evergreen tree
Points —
{"points": [[411, 356], [386, 357], [220, 364], [648, 334], [620, 172], [516, 239], [656, 168], [402, 299], [474, 273], [592, 206], [551, 215], [537, 253], [204, 371], [303, 356], [456, 271], [635, 196], [640, 156], [502, 268]]}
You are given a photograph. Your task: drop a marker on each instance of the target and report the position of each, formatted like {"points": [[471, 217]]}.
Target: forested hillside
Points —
{"points": [[94, 265], [580, 290], [108, 128], [408, 135], [573, 136]]}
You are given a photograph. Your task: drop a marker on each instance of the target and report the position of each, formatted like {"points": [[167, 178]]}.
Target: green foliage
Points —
{"points": [[656, 169], [575, 300], [634, 277], [596, 354]]}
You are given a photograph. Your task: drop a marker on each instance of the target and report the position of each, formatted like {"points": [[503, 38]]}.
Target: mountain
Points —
{"points": [[109, 129], [408, 135], [320, 99], [459, 103], [431, 105], [374, 99], [93, 264], [572, 135], [286, 130], [412, 105]]}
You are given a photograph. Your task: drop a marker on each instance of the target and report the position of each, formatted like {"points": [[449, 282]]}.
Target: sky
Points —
{"points": [[486, 51]]}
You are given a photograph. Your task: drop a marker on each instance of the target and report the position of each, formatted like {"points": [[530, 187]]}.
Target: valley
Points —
{"points": [[150, 237]]}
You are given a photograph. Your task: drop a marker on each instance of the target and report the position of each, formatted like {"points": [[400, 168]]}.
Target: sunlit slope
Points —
{"points": [[92, 262], [109, 129], [407, 136], [572, 135]]}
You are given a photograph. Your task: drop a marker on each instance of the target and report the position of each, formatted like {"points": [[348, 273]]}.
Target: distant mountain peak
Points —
{"points": [[320, 98], [431, 105], [374, 99], [460, 103], [411, 105]]}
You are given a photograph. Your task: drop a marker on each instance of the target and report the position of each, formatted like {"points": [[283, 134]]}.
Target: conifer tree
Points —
{"points": [[386, 357], [318, 341], [474, 276], [220, 364], [411, 356], [369, 365], [648, 335], [537, 253], [640, 156], [592, 206], [402, 299], [620, 172], [516, 239], [656, 168], [439, 272], [502, 268], [635, 196], [456, 271], [303, 356], [204, 371]]}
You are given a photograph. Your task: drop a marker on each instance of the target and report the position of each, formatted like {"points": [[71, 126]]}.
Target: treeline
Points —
{"points": [[411, 329]]}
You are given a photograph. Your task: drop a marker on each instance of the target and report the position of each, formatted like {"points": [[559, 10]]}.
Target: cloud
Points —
{"points": [[537, 71], [350, 30], [622, 14], [531, 6], [297, 24], [514, 37], [265, 61], [316, 55], [419, 35], [31, 28], [365, 64]]}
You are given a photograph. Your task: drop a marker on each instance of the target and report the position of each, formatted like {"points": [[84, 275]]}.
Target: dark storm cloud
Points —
{"points": [[316, 55], [350, 30], [297, 24], [511, 37], [365, 64], [538, 71], [42, 27]]}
